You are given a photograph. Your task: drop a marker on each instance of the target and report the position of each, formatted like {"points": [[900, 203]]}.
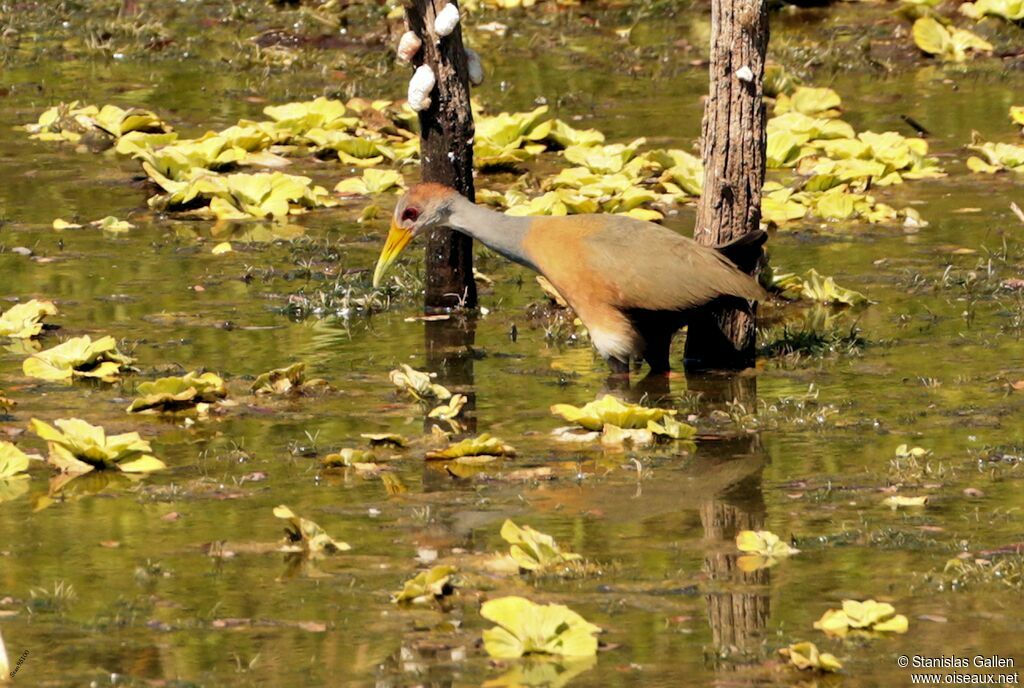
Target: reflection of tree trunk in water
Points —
{"points": [[449, 346], [717, 389], [737, 616]]}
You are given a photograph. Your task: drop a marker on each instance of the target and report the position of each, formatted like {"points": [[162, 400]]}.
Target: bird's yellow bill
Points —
{"points": [[398, 239]]}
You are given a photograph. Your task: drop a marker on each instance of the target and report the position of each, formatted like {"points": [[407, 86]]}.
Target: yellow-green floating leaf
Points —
{"points": [[304, 535], [527, 628], [78, 357], [427, 586], [25, 320], [805, 655], [79, 447], [533, 550]]}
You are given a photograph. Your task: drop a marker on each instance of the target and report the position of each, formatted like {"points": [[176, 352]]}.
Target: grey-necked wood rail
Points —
{"points": [[632, 283]]}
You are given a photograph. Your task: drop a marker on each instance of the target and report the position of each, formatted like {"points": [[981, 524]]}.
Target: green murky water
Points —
{"points": [[157, 609]]}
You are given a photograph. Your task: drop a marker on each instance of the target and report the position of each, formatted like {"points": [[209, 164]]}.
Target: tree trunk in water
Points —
{"points": [[733, 147], [446, 151]]}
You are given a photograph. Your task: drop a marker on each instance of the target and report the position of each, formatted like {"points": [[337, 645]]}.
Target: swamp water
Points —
{"points": [[111, 581]]}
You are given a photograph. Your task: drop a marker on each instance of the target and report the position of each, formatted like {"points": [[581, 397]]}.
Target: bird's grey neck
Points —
{"points": [[497, 231]]}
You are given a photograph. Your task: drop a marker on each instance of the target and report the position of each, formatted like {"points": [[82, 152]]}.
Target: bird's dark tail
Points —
{"points": [[745, 252]]}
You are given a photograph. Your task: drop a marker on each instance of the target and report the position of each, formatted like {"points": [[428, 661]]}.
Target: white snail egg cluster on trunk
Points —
{"points": [[446, 21], [420, 86], [408, 46], [476, 68]]}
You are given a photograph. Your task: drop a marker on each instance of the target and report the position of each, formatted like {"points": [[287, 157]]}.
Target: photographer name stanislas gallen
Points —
{"points": [[954, 662]]}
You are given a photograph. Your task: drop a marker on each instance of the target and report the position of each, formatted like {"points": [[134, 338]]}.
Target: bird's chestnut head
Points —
{"points": [[423, 207]]}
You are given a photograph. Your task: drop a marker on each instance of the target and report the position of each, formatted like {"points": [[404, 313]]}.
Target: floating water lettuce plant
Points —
{"points": [[360, 132], [136, 141], [347, 457], [810, 101], [352, 150], [672, 429], [484, 445], [762, 549], [565, 135], [450, 410], [1017, 114], [881, 159], [117, 121], [184, 160], [807, 128], [996, 157], [427, 586], [815, 288], [614, 437], [557, 203], [905, 451], [1012, 10], [168, 394], [533, 550], [79, 447], [508, 139], [320, 113], [113, 225], [611, 411], [418, 384], [241, 196], [805, 655], [78, 357], [13, 461], [372, 182], [606, 159], [290, 380], [862, 616], [780, 204], [838, 203], [784, 149], [682, 173], [303, 535], [69, 121], [25, 320], [527, 628], [948, 43]]}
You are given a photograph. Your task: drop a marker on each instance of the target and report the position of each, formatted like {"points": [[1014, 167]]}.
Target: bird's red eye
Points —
{"points": [[410, 214]]}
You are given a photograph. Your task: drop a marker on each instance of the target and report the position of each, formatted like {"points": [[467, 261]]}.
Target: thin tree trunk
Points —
{"points": [[733, 152], [446, 151]]}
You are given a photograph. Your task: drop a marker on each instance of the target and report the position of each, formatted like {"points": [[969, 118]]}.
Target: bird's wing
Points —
{"points": [[651, 267]]}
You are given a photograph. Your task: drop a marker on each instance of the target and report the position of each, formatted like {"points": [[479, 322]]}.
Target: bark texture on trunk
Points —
{"points": [[446, 151], [733, 148]]}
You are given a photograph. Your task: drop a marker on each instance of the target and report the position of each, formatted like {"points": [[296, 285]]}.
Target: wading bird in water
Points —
{"points": [[632, 283]]}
